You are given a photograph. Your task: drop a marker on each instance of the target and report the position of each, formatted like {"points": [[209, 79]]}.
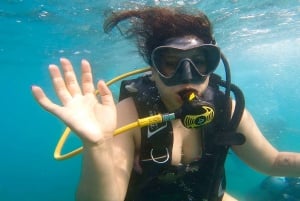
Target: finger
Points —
{"points": [[43, 100], [70, 77], [105, 93], [87, 78], [59, 85]]}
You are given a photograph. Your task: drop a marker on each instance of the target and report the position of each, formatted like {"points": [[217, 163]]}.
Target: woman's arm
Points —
{"points": [[107, 160], [261, 155], [106, 169]]}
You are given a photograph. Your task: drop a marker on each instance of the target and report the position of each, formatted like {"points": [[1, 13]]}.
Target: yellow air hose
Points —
{"points": [[139, 123]]}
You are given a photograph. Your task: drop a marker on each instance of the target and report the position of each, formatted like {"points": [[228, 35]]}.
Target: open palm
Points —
{"points": [[81, 110]]}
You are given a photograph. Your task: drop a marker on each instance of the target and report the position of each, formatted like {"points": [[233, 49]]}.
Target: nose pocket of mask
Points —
{"points": [[186, 71]]}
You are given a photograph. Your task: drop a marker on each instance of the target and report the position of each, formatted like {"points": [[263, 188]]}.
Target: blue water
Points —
{"points": [[261, 39]]}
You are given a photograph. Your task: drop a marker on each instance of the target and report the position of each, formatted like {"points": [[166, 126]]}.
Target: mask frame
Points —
{"points": [[188, 69]]}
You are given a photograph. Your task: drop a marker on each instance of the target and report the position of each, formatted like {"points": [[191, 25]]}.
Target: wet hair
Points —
{"points": [[152, 26]]}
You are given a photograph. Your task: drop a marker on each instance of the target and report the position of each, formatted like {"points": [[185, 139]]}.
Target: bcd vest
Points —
{"points": [[202, 179]]}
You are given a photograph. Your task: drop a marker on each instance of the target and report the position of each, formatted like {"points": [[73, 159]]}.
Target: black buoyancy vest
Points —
{"points": [[203, 179]]}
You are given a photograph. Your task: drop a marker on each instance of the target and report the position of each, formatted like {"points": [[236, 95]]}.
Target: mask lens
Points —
{"points": [[167, 60]]}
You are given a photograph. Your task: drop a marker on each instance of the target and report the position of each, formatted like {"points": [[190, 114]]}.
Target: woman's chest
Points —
{"points": [[187, 145], [184, 148]]}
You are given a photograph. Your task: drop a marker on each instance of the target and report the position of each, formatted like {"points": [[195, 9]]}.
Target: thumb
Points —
{"points": [[43, 100]]}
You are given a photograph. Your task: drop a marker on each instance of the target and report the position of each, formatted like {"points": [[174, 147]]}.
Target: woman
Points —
{"points": [[168, 160]]}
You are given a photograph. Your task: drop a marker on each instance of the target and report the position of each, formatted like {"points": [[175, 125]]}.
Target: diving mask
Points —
{"points": [[185, 60]]}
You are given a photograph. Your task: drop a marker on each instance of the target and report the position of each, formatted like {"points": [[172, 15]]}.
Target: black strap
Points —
{"points": [[227, 135]]}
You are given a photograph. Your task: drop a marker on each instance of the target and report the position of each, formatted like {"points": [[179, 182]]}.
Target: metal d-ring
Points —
{"points": [[160, 162]]}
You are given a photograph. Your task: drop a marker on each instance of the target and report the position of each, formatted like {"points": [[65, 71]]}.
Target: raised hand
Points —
{"points": [[93, 120]]}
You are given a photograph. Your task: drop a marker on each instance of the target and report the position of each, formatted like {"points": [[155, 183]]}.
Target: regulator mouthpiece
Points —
{"points": [[195, 112]]}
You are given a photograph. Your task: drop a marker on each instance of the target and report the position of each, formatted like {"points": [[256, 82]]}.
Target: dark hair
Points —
{"points": [[152, 26]]}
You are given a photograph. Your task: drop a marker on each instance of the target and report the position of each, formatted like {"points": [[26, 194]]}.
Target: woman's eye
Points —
{"points": [[170, 64], [199, 61]]}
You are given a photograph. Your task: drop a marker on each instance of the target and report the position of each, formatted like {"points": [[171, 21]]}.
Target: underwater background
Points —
{"points": [[260, 38]]}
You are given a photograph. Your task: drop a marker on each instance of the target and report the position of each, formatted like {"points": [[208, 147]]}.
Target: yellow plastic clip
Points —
{"points": [[192, 96]]}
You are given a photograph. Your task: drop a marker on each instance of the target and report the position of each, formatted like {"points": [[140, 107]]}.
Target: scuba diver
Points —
{"points": [[181, 158], [281, 188]]}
